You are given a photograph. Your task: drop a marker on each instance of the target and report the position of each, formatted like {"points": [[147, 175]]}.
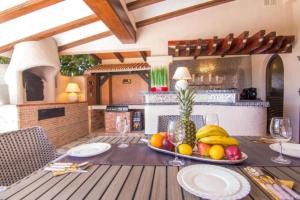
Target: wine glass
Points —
{"points": [[212, 119], [175, 137], [281, 131], [122, 127]]}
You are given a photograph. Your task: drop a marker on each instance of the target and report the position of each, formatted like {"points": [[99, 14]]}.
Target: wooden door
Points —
{"points": [[275, 87], [91, 90]]}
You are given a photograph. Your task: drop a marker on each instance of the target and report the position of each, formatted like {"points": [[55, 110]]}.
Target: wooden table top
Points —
{"points": [[124, 182]]}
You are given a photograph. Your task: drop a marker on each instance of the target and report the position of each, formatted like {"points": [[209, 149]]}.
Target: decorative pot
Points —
{"points": [[159, 89]]}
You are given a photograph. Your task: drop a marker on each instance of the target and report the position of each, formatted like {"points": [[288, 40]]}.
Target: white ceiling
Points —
{"points": [[10, 3], [162, 8], [81, 32], [50, 17], [70, 10]]}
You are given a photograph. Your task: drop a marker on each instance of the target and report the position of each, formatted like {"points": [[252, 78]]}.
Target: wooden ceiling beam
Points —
{"points": [[98, 58], [119, 56], [177, 50], [276, 45], [287, 45], [259, 43], [25, 8], [225, 45], [266, 44], [254, 42], [85, 40], [113, 15], [144, 55], [198, 49], [212, 46], [239, 43], [141, 3], [187, 49], [180, 12], [53, 31]]}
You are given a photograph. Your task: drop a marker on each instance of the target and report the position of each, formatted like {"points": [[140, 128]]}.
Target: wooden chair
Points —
{"points": [[23, 152], [163, 121]]}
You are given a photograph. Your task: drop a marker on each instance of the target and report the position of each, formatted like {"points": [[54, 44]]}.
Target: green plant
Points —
{"points": [[75, 65], [4, 60], [159, 77]]}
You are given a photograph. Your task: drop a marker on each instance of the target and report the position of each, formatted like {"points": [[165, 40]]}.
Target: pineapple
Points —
{"points": [[186, 101]]}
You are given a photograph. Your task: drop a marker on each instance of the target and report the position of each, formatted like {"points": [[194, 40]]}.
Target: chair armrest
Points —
{"points": [[2, 188]]}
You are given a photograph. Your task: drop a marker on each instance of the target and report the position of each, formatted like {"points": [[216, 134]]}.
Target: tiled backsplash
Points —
{"points": [[207, 96], [216, 73]]}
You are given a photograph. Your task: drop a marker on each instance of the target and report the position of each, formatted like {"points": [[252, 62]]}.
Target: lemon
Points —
{"points": [[216, 152], [185, 149]]}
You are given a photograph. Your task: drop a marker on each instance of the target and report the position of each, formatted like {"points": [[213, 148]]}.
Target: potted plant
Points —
{"points": [[159, 79]]}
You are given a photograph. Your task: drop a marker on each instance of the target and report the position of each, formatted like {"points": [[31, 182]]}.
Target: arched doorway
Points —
{"points": [[275, 87]]}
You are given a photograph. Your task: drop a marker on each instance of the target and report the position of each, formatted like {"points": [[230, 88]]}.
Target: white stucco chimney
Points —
{"points": [[41, 57]]}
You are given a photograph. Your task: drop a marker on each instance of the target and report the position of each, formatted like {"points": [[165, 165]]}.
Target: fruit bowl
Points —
{"points": [[196, 156]]}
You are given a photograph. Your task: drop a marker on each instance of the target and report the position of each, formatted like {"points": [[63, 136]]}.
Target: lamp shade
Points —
{"points": [[182, 73], [72, 88]]}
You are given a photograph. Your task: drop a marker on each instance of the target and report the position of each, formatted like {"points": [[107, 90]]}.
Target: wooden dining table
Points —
{"points": [[125, 182]]}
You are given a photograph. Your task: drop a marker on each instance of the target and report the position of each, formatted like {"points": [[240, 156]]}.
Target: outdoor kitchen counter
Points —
{"points": [[130, 107], [63, 122], [238, 117]]}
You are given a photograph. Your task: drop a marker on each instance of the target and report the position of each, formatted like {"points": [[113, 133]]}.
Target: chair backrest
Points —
{"points": [[163, 121], [23, 152]]}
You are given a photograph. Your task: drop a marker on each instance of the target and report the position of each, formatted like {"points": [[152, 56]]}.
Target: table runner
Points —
{"points": [[141, 154]]}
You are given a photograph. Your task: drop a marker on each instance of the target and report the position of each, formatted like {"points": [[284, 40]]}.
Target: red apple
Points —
{"points": [[233, 153], [203, 149], [167, 145]]}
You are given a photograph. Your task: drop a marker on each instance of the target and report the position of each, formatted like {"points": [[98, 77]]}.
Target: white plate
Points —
{"points": [[289, 149], [208, 180], [244, 186], [88, 150], [196, 156]]}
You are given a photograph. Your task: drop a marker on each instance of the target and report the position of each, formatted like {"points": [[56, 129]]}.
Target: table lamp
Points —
{"points": [[182, 74], [73, 89]]}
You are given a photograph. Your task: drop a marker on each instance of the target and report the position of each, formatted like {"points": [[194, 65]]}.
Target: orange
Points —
{"points": [[185, 149], [216, 152], [156, 140], [164, 134]]}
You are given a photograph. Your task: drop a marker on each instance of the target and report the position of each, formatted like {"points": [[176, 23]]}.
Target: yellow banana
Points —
{"points": [[200, 134], [211, 127], [227, 141], [210, 130]]}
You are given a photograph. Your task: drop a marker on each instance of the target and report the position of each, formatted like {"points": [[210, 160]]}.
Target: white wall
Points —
{"points": [[291, 73], [4, 96], [251, 124]]}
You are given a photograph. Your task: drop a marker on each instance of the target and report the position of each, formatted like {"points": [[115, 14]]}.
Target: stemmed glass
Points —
{"points": [[212, 119], [281, 131], [122, 127], [175, 139]]}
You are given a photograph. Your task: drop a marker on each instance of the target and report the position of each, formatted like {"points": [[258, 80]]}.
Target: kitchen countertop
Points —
{"points": [[253, 103], [131, 107]]}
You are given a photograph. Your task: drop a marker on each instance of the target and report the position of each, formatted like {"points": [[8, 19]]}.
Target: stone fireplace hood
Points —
{"points": [[41, 58]]}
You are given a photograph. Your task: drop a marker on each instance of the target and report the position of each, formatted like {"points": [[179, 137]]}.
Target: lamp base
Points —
{"points": [[181, 85], [73, 97]]}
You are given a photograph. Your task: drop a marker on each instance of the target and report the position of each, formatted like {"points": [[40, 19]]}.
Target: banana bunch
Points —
{"points": [[212, 134]]}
